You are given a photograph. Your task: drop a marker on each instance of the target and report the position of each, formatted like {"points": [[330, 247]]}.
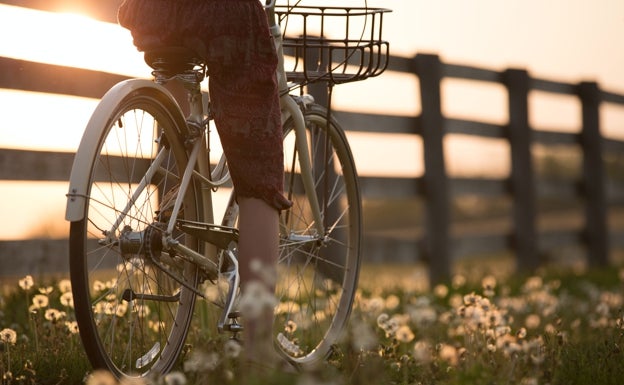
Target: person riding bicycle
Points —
{"points": [[233, 38]]}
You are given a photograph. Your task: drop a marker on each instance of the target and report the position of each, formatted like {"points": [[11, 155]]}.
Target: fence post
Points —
{"points": [[522, 180], [437, 239], [596, 232]]}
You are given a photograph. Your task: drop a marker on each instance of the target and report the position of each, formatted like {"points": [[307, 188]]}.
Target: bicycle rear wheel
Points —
{"points": [[317, 273], [133, 301]]}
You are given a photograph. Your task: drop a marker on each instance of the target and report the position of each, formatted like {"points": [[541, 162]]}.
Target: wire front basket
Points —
{"points": [[332, 44]]}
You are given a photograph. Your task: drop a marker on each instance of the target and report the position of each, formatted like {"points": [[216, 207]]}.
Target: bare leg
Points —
{"points": [[258, 252]]}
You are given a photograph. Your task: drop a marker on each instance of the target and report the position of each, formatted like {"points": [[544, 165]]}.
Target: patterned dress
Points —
{"points": [[233, 37]]}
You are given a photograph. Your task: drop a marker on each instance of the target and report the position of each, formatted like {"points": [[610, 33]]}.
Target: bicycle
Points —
{"points": [[144, 244]]}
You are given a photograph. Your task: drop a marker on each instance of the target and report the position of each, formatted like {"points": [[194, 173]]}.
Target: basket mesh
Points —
{"points": [[332, 44]]}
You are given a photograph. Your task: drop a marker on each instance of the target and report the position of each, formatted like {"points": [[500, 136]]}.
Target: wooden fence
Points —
{"points": [[438, 245]]}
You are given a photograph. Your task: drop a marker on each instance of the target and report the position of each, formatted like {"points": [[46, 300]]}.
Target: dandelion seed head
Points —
{"points": [[363, 337], [423, 352], [40, 301], [458, 281], [232, 348], [72, 327], [257, 299], [67, 299], [101, 377], [26, 283], [392, 302], [64, 286], [522, 333], [8, 336], [290, 327], [488, 282], [54, 315], [532, 321], [175, 378], [440, 291], [448, 353], [46, 290], [404, 334]]}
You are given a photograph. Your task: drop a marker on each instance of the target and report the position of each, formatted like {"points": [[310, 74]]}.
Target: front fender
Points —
{"points": [[94, 133]]}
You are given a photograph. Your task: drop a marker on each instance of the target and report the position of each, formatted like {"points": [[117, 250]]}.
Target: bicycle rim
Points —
{"points": [[317, 273], [133, 301]]}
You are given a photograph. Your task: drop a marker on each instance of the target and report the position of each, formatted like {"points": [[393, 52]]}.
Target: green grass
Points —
{"points": [[558, 327]]}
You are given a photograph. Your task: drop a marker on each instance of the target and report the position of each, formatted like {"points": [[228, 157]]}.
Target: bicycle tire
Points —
{"points": [[132, 315], [318, 275]]}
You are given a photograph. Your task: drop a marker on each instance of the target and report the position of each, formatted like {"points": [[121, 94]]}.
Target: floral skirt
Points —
{"points": [[232, 36]]}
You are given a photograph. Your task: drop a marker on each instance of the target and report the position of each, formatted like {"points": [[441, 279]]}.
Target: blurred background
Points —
{"points": [[566, 41]]}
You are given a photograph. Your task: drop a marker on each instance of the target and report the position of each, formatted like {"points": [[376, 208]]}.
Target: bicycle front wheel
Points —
{"points": [[133, 300], [317, 270]]}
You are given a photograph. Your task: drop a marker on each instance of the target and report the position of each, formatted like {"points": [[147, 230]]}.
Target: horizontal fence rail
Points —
{"points": [[440, 240]]}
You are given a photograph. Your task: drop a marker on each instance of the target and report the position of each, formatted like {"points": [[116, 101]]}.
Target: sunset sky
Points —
{"points": [[567, 40]]}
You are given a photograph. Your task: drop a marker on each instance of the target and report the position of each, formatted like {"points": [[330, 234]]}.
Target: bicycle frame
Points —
{"points": [[198, 168]]}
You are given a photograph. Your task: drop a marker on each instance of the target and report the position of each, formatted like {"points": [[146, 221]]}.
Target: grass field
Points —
{"points": [[485, 326]]}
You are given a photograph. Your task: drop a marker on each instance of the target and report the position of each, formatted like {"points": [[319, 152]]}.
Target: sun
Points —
{"points": [[68, 39]]}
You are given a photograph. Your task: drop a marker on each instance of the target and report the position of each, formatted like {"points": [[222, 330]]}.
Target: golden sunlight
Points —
{"points": [[68, 39]]}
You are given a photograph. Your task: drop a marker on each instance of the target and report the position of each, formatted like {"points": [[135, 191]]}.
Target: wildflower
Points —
{"points": [[363, 337], [54, 315], [256, 300], [290, 327], [8, 336], [232, 348], [489, 284], [67, 299], [101, 377], [404, 334], [40, 301], [392, 302], [267, 273], [201, 362], [458, 281], [26, 283], [471, 299], [423, 316], [448, 353], [440, 291], [46, 290], [98, 286], [133, 381], [422, 352], [521, 333], [533, 283], [373, 305], [72, 326], [532, 321], [65, 286], [175, 378]]}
